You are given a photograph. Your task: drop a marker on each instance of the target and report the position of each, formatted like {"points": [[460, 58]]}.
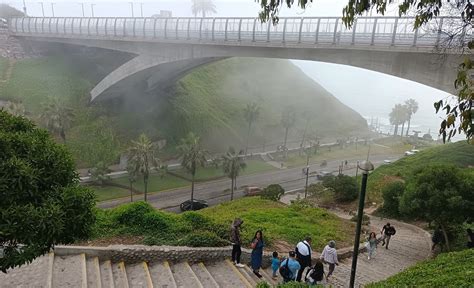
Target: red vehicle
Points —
{"points": [[252, 191]]}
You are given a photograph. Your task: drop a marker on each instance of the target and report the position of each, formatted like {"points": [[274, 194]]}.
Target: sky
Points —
{"points": [[375, 100]]}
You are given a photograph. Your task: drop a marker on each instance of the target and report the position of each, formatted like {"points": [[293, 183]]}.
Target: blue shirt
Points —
{"points": [[293, 265], [276, 263]]}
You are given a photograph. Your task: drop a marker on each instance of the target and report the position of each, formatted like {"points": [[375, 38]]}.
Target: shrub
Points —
{"points": [[345, 187], [263, 284], [391, 194], [273, 192], [365, 219], [132, 214], [196, 221], [202, 239]]}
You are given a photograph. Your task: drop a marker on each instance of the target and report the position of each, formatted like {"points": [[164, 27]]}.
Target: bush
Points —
{"points": [[365, 219], [345, 187], [263, 284], [273, 192], [391, 194], [132, 214], [202, 239]]}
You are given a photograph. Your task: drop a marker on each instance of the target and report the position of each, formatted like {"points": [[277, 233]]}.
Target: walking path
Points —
{"points": [[407, 247]]}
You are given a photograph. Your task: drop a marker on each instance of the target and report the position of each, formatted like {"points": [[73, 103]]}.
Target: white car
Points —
{"points": [[414, 151], [386, 161], [408, 153]]}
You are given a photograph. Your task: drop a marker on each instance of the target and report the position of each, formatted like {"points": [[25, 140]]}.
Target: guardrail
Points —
{"points": [[385, 31]]}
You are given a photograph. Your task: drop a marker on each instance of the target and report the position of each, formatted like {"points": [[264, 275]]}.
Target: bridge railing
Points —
{"points": [[380, 31]]}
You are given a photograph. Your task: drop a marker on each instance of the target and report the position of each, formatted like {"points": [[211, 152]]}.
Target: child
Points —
{"points": [[315, 275], [275, 264]]}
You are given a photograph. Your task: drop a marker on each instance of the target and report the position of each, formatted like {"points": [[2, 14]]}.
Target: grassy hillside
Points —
{"points": [[447, 270], [208, 101], [459, 153]]}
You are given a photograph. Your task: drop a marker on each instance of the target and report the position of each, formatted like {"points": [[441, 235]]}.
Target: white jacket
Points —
{"points": [[329, 255]]}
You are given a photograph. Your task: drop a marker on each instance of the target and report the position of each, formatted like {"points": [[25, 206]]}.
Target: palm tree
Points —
{"points": [[251, 114], [288, 119], [99, 173], [192, 155], [233, 163], [404, 117], [132, 177], [412, 108], [396, 117], [203, 6], [142, 157], [57, 117], [16, 108]]}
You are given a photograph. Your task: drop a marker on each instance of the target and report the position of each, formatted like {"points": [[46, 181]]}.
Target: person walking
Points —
{"points": [[236, 242], [289, 268], [437, 239], [257, 253], [275, 264], [329, 256], [371, 245], [387, 232], [315, 275], [303, 255]]}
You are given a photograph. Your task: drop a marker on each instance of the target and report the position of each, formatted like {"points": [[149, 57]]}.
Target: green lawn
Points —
{"points": [[209, 173], [109, 192], [459, 153], [397, 147], [447, 270], [281, 222]]}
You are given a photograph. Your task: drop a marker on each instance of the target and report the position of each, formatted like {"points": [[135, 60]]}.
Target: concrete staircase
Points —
{"points": [[82, 271]]}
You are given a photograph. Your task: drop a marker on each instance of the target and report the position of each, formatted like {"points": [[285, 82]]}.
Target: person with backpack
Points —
{"points": [[387, 232], [316, 274], [257, 253], [289, 268], [303, 255], [236, 242], [329, 256]]}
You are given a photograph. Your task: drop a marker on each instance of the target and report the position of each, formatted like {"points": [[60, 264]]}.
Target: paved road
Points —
{"points": [[214, 193]]}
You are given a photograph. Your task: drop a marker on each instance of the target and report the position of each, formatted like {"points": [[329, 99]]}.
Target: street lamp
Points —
{"points": [[24, 8], [366, 167], [52, 8], [307, 172], [92, 9], [83, 12], [131, 5], [141, 9], [42, 7]]}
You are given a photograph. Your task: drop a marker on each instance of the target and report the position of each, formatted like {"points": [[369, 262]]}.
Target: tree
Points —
{"points": [[192, 156], [251, 114], [42, 203], [99, 173], [404, 117], [16, 108], [57, 116], [288, 119], [233, 163], [307, 116], [391, 194], [440, 193], [396, 117], [142, 156], [412, 107], [273, 192], [203, 6], [425, 11], [132, 177], [345, 187]]}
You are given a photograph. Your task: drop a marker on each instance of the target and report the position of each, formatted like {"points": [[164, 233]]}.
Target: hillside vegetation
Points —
{"points": [[447, 270], [208, 101], [460, 154]]}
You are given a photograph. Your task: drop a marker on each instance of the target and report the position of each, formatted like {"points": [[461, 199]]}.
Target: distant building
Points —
{"points": [[163, 14]]}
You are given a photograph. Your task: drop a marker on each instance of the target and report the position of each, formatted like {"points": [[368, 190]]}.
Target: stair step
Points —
{"points": [[267, 275], [248, 274], [106, 275], [204, 276], [68, 271], [120, 275], [137, 276], [93, 273], [161, 275], [227, 275], [184, 275], [35, 273]]}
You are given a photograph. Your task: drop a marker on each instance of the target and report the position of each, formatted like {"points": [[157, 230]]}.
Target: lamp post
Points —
{"points": [[92, 9], [366, 167], [24, 8], [83, 12], [131, 6], [52, 8], [141, 9], [307, 172], [42, 7]]}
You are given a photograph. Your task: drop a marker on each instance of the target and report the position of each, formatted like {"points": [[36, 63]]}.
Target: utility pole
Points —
{"points": [[52, 8], [131, 6], [83, 12], [141, 10], [307, 174], [42, 7], [24, 8], [92, 9]]}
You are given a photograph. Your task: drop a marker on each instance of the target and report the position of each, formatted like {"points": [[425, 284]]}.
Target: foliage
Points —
{"points": [[439, 193], [203, 6], [202, 239], [16, 108], [391, 197], [412, 107], [281, 222], [288, 120], [365, 219], [447, 270], [273, 192], [399, 115], [233, 163], [99, 173], [42, 204], [345, 187], [142, 158], [56, 116]]}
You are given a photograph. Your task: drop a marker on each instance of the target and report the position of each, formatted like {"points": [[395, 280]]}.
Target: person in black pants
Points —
{"points": [[387, 232], [303, 255], [236, 242]]}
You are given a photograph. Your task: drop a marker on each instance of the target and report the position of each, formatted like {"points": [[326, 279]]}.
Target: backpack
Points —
{"points": [[315, 274], [285, 271], [392, 231]]}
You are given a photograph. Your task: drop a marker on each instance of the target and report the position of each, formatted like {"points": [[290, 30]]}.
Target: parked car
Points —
{"points": [[414, 151], [198, 205], [408, 153], [386, 161], [252, 191], [323, 174], [3, 23]]}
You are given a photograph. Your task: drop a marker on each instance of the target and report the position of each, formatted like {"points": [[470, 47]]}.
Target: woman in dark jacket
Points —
{"points": [[257, 252]]}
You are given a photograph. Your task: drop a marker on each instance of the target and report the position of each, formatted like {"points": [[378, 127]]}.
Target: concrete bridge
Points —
{"points": [[168, 48]]}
